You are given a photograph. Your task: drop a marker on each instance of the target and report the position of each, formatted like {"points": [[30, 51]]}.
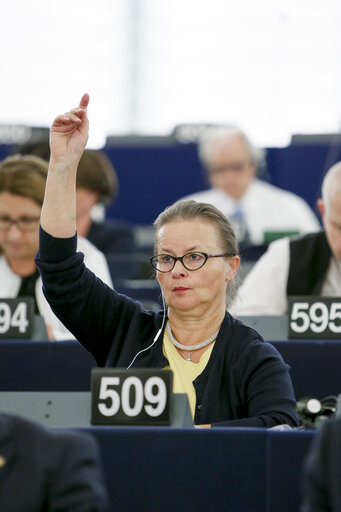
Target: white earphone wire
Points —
{"points": [[156, 337]]}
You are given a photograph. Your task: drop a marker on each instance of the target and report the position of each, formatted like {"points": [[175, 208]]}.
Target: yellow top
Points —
{"points": [[184, 372]]}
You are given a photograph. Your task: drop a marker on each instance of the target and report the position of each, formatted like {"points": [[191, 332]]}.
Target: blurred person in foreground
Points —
{"points": [[307, 265], [231, 376], [322, 470], [45, 470], [22, 187], [255, 208]]}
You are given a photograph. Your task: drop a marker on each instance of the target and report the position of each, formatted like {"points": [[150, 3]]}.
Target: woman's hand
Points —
{"points": [[69, 135], [68, 138]]}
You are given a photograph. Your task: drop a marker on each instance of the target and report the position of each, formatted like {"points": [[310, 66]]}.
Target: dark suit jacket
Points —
{"points": [[48, 470], [322, 473], [112, 237], [309, 261]]}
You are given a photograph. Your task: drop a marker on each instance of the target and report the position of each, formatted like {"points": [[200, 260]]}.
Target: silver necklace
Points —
{"points": [[189, 348]]}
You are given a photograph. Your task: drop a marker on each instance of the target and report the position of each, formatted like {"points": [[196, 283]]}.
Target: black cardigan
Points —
{"points": [[245, 382]]}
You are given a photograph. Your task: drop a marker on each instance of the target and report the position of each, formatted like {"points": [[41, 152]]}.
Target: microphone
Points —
{"points": [[313, 411]]}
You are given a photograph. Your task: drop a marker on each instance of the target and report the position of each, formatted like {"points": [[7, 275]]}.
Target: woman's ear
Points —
{"points": [[232, 268]]}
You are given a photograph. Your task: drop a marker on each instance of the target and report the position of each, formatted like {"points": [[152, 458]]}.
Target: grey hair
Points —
{"points": [[331, 182], [220, 133], [189, 210]]}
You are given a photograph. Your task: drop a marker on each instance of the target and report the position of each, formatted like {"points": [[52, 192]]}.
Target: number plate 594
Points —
{"points": [[16, 317]]}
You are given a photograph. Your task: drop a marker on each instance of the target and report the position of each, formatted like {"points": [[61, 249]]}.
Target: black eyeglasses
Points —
{"points": [[190, 260], [24, 223], [236, 167]]}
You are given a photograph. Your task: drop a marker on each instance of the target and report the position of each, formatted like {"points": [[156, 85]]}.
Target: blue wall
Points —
{"points": [[153, 176]]}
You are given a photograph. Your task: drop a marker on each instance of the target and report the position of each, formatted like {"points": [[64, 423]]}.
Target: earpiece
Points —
{"points": [[157, 335]]}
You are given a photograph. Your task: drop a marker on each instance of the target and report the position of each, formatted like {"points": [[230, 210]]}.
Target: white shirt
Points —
{"points": [[11, 282], [266, 209], [264, 290]]}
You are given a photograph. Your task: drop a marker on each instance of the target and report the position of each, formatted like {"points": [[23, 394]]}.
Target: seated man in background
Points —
{"points": [[22, 187], [308, 265], [255, 208], [47, 470], [322, 472], [97, 187]]}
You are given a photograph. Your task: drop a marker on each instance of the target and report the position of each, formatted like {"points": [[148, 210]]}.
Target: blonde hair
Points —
{"points": [[24, 175]]}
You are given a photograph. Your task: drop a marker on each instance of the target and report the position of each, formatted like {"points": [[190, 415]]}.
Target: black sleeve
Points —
{"points": [[263, 382], [89, 308]]}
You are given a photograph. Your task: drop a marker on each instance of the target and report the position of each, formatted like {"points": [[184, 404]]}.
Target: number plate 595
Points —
{"points": [[314, 317]]}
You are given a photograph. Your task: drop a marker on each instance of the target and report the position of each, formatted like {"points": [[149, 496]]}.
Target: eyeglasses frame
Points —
{"points": [[13, 222], [180, 258]]}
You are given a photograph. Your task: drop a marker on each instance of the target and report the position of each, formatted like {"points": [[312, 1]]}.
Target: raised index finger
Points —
{"points": [[84, 102]]}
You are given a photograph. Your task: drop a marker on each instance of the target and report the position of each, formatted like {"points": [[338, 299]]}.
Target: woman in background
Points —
{"points": [[22, 187]]}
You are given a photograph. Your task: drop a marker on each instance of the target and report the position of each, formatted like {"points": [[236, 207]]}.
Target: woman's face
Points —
{"points": [[19, 241], [194, 291]]}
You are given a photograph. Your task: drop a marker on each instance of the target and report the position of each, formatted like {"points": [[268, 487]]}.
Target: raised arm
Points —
{"points": [[68, 138]]}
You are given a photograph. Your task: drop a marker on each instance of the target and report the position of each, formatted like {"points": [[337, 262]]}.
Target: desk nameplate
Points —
{"points": [[16, 317], [140, 396], [314, 317]]}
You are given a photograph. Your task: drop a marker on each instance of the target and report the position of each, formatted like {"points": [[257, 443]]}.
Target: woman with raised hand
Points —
{"points": [[231, 376]]}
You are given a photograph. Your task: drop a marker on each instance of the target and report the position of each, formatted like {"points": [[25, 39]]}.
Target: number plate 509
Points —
{"points": [[314, 317], [130, 397]]}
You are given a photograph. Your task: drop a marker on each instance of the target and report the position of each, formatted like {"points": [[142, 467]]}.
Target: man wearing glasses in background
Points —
{"points": [[258, 211]]}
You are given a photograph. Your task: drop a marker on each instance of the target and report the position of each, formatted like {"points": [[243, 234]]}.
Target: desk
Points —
{"points": [[236, 470], [44, 366], [315, 366], [66, 366], [170, 469]]}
